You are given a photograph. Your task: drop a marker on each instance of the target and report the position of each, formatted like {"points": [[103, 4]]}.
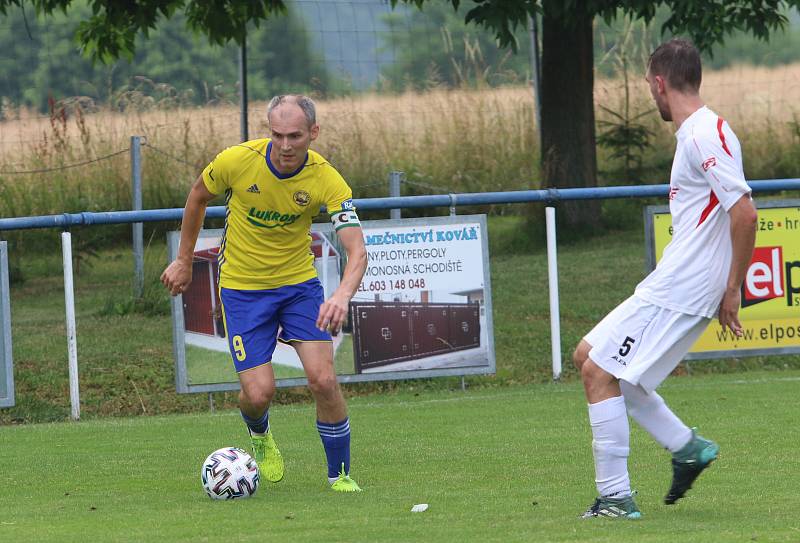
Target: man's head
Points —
{"points": [[674, 69], [293, 126]]}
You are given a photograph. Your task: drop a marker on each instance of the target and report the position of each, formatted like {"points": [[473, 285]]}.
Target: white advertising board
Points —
{"points": [[423, 308]]}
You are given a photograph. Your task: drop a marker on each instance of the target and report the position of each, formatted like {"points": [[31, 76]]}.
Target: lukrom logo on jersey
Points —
{"points": [[266, 218], [769, 277]]}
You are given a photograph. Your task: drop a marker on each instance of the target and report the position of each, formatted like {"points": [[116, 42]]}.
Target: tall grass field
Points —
{"points": [[466, 140], [499, 465]]}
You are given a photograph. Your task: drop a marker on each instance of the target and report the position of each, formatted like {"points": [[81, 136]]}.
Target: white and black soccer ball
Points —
{"points": [[229, 473]]}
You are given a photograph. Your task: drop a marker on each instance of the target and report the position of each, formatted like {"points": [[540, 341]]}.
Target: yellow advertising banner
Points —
{"points": [[770, 313]]}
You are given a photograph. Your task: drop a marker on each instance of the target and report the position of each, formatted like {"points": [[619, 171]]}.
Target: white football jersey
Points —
{"points": [[707, 180]]}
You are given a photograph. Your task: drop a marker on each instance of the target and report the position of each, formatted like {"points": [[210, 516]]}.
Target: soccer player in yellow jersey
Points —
{"points": [[273, 187]]}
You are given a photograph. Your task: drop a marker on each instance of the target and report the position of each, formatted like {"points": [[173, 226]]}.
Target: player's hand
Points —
{"points": [[177, 277], [332, 314], [729, 311]]}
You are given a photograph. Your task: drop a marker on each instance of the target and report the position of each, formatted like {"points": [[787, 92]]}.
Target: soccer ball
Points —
{"points": [[229, 473]]}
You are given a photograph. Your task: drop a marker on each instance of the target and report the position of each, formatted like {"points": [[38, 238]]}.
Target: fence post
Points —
{"points": [[72, 342], [138, 242], [394, 191], [552, 275], [6, 354]]}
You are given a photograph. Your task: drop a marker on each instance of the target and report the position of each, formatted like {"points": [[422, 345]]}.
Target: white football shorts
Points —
{"points": [[642, 343]]}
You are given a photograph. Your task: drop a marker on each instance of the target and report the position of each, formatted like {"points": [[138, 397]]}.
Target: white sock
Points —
{"points": [[651, 413], [611, 445]]}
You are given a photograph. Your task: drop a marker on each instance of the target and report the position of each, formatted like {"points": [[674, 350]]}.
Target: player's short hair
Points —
{"points": [[304, 102], [678, 61]]}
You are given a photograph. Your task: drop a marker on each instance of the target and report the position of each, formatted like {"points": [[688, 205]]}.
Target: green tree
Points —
{"points": [[110, 30], [568, 124], [171, 65], [432, 46], [783, 46]]}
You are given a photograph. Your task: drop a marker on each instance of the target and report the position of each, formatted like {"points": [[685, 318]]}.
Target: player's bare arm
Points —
{"points": [[333, 312], [743, 235], [178, 274]]}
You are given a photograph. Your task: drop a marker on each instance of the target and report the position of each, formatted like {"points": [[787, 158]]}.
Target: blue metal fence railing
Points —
{"points": [[67, 220]]}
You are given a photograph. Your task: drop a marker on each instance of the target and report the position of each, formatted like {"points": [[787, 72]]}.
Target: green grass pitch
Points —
{"points": [[495, 464]]}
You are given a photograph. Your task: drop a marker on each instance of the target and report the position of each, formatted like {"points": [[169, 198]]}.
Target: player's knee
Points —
{"points": [[257, 395], [322, 384], [586, 371], [591, 373], [580, 354], [578, 358]]}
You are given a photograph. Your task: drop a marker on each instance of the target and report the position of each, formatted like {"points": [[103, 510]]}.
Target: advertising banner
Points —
{"points": [[423, 307], [421, 304], [770, 312]]}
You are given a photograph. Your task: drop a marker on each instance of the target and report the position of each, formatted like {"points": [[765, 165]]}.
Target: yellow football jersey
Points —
{"points": [[267, 241]]}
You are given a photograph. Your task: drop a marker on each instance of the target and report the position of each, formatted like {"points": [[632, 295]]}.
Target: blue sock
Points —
{"points": [[336, 440], [259, 425]]}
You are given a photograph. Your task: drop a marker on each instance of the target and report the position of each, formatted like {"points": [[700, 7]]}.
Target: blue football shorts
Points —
{"points": [[252, 318]]}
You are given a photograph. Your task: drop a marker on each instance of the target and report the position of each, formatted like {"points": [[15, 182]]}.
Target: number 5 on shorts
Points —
{"points": [[238, 348], [624, 350]]}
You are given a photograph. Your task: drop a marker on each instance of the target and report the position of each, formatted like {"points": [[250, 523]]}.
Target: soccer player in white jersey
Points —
{"points": [[636, 346]]}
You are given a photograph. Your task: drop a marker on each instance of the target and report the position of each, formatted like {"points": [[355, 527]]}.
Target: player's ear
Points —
{"points": [[661, 84], [314, 131]]}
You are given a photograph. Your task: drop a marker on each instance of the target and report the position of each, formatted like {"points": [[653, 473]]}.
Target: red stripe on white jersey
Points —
{"points": [[720, 120], [712, 203]]}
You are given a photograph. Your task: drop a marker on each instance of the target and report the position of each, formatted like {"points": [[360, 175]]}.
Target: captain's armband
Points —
{"points": [[343, 219]]}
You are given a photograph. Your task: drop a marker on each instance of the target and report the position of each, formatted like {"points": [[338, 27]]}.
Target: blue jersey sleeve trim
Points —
{"points": [[274, 170]]}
